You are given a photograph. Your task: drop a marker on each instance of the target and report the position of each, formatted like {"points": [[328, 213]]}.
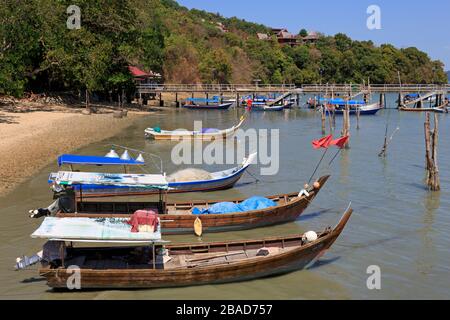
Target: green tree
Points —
{"points": [[215, 67]]}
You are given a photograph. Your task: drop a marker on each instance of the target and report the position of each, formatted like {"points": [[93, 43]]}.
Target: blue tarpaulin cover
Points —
{"points": [[203, 99], [94, 160], [253, 203], [256, 203], [341, 101]]}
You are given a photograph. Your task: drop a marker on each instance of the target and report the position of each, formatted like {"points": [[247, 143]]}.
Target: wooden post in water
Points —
{"points": [[346, 124], [330, 119], [400, 94], [322, 112], [382, 100], [431, 141], [358, 114]]}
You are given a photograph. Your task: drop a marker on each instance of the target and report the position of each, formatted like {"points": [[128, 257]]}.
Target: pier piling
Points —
{"points": [[431, 142], [346, 125]]}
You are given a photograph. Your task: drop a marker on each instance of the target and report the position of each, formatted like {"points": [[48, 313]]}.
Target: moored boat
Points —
{"points": [[437, 110], [179, 217], [220, 106], [263, 107], [288, 105], [157, 265], [370, 109], [204, 134], [218, 180]]}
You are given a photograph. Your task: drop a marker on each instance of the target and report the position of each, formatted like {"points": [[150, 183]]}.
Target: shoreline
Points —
{"points": [[30, 141]]}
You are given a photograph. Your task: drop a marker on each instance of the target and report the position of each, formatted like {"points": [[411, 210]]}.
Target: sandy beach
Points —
{"points": [[29, 141]]}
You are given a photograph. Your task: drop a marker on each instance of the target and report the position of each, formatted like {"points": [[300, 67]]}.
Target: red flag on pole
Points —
{"points": [[340, 143], [249, 104], [325, 142]]}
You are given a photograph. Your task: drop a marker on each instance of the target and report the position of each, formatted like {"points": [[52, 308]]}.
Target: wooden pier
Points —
{"points": [[152, 91], [285, 88]]}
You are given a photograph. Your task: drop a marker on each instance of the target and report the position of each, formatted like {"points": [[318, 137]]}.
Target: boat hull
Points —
{"points": [[298, 257], [289, 209], [96, 191], [364, 111], [223, 106], [267, 108], [138, 279], [288, 105], [437, 110]]}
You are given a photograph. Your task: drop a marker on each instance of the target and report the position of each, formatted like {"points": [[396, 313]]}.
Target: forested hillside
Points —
{"points": [[39, 53]]}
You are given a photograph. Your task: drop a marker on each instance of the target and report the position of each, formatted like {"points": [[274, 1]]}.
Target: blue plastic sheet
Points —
{"points": [[256, 203], [253, 203]]}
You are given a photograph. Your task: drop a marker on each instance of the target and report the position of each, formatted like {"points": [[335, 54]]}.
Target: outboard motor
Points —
{"points": [[64, 202]]}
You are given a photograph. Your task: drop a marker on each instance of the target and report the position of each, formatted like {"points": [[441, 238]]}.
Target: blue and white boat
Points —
{"points": [[219, 180], [338, 106], [264, 107]]}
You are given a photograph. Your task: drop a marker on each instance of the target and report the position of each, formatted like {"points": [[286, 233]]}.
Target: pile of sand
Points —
{"points": [[190, 174]]}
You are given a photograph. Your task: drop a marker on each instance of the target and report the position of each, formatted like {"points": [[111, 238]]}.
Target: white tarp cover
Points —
{"points": [[115, 179], [93, 230]]}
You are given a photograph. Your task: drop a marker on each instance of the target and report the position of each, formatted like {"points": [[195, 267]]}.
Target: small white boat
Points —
{"points": [[204, 134]]}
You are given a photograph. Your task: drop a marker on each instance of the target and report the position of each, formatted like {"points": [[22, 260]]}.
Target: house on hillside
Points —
{"points": [[284, 37], [312, 37], [142, 77]]}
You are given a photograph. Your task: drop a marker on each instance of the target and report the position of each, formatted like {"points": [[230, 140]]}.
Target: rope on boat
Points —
{"points": [[253, 176]]}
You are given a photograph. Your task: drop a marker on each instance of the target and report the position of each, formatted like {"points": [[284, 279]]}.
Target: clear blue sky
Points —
{"points": [[424, 24]]}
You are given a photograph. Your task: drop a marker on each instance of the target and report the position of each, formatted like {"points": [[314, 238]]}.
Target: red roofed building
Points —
{"points": [[142, 76]]}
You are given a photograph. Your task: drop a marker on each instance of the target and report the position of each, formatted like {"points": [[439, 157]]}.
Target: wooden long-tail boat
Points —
{"points": [[221, 106], [433, 109], [190, 264], [205, 134], [177, 217]]}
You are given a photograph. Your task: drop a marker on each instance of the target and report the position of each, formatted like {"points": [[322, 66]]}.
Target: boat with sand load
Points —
{"points": [[179, 217], [186, 180], [157, 265], [204, 134]]}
